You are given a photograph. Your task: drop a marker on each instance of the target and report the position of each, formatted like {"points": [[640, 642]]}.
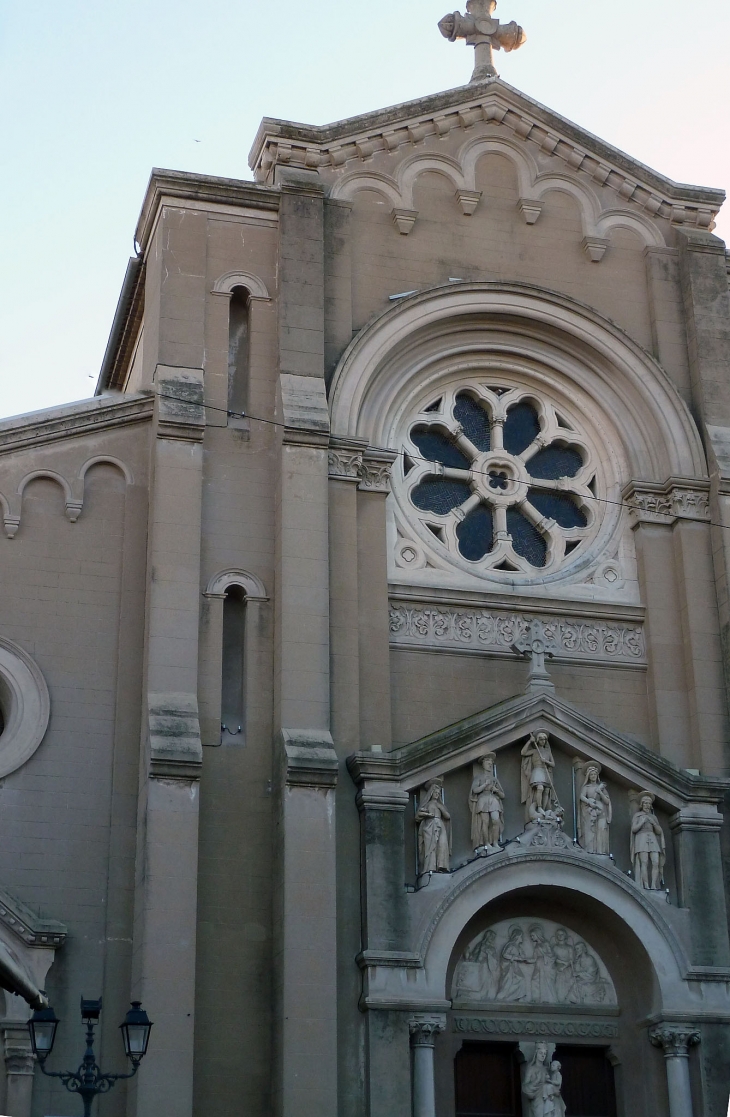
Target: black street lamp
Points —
{"points": [[88, 1080]]}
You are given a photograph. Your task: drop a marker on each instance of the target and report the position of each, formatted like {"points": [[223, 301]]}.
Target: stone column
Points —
{"points": [[676, 1040], [424, 1032], [19, 1067]]}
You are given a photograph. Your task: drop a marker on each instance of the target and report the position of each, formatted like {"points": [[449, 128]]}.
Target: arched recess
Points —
{"points": [[604, 891], [106, 459], [255, 286], [351, 184], [424, 339], [48, 475], [411, 169], [523, 162], [251, 584], [229, 654]]}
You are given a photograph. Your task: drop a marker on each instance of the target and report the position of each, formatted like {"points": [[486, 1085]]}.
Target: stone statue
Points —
{"points": [[594, 809], [486, 803], [484, 33], [648, 846], [538, 790], [542, 1085], [434, 830]]}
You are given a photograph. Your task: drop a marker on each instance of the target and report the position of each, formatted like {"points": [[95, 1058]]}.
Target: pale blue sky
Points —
{"points": [[95, 94]]}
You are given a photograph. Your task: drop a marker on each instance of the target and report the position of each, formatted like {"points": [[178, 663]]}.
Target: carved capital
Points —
{"points": [[663, 504], [345, 465], [675, 1039], [376, 474], [425, 1030]]}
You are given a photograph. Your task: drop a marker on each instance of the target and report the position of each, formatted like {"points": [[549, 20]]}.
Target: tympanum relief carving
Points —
{"points": [[524, 961]]}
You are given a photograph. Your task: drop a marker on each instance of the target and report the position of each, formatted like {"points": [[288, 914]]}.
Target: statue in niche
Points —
{"points": [[477, 976], [512, 979], [543, 967], [434, 830], [648, 846], [595, 812], [542, 1085], [486, 803], [537, 787]]}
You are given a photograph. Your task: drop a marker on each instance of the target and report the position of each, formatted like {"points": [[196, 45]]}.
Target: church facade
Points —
{"points": [[364, 646]]}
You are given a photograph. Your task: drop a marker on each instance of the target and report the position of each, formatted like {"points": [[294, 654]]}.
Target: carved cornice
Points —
{"points": [[356, 140], [508, 721], [495, 632], [74, 420], [679, 498], [30, 928], [676, 1039]]}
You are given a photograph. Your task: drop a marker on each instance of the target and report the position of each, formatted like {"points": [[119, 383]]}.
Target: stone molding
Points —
{"points": [[376, 473], [101, 413], [310, 758], [345, 465], [18, 1053], [492, 632], [679, 498], [251, 584], [303, 405], [530, 1026], [255, 286], [382, 797], [181, 403], [176, 751], [73, 492], [675, 1039], [353, 142], [425, 1029], [26, 706]]}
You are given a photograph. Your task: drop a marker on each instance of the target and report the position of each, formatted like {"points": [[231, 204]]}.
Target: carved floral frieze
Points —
{"points": [[529, 1026], [490, 631]]}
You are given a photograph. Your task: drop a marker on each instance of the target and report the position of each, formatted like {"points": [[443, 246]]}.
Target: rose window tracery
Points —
{"points": [[500, 478]]}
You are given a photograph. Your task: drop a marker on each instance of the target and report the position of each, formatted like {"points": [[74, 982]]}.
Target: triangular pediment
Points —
{"points": [[510, 721], [381, 141]]}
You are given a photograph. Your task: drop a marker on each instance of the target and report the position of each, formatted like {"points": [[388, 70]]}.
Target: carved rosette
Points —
{"points": [[675, 1039], [425, 1030]]}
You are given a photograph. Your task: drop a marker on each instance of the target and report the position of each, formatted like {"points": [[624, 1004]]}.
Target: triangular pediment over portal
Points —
{"points": [[448, 132], [513, 720]]}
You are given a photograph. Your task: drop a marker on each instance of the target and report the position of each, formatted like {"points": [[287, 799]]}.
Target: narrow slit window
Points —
{"points": [[238, 350], [233, 684]]}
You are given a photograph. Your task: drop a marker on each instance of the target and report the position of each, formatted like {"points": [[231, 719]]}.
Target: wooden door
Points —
{"points": [[487, 1080], [588, 1085]]}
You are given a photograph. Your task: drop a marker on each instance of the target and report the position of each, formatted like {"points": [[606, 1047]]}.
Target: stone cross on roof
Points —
{"points": [[484, 33], [534, 645]]}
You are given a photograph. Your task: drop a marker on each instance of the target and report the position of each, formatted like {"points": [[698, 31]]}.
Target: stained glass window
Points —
{"points": [[505, 480]]}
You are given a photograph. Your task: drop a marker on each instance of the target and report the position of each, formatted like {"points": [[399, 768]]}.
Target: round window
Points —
{"points": [[502, 481]]}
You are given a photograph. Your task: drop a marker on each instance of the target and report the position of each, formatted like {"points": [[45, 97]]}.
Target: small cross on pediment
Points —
{"points": [[534, 645], [483, 32]]}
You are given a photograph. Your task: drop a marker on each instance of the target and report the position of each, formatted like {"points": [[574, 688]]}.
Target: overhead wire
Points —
{"points": [[413, 456]]}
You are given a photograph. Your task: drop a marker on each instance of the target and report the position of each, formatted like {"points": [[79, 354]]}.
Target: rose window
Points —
{"points": [[500, 478]]}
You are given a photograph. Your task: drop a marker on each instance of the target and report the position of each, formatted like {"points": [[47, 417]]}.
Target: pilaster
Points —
{"points": [[700, 887], [19, 1068], [167, 852]]}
